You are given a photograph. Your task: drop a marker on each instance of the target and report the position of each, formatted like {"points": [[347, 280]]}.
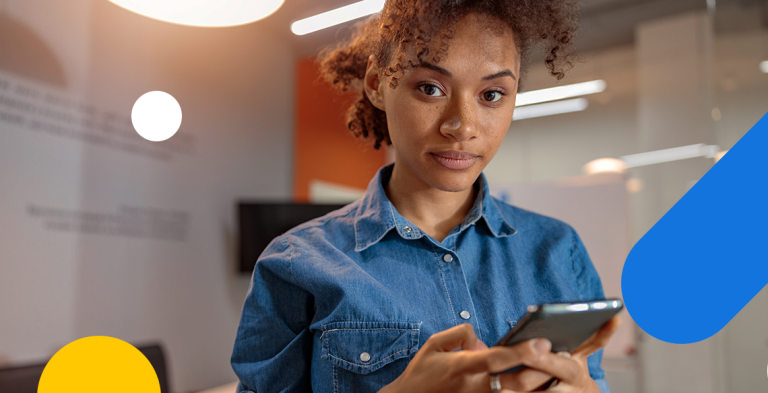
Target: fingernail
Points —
{"points": [[564, 354], [542, 345]]}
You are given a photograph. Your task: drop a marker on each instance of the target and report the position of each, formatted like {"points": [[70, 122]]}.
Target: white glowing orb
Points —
{"points": [[156, 116], [206, 13]]}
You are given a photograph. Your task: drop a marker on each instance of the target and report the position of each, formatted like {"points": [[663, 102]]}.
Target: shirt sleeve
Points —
{"points": [[590, 288], [273, 345]]}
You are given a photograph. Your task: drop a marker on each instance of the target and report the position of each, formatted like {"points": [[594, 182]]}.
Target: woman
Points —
{"points": [[381, 294]]}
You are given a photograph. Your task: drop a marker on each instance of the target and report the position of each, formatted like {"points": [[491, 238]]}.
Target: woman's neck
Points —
{"points": [[434, 211]]}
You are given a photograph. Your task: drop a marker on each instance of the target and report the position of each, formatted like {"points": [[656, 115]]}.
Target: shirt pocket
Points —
{"points": [[361, 352]]}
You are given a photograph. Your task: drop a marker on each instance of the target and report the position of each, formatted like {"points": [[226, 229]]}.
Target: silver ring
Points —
{"points": [[495, 384]]}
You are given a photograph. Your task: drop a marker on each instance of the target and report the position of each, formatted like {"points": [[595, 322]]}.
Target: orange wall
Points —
{"points": [[324, 149]]}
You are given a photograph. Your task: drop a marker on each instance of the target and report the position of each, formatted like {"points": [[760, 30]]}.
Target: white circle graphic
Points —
{"points": [[156, 116]]}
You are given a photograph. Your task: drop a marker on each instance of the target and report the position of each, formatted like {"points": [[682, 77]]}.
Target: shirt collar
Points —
{"points": [[376, 215]]}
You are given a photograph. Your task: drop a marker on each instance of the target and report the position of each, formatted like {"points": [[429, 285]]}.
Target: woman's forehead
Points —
{"points": [[473, 45], [474, 33], [486, 34]]}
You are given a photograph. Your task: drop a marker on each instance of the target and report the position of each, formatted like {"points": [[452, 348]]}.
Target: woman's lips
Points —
{"points": [[455, 159]]}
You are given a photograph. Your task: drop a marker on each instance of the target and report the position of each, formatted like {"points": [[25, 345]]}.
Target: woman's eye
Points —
{"points": [[430, 90], [492, 96]]}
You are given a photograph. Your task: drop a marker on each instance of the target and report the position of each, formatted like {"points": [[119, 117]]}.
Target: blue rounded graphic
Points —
{"points": [[707, 257]]}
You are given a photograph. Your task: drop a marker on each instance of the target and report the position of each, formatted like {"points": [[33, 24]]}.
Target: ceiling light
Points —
{"points": [[764, 66], [560, 92], [605, 165], [720, 155], [673, 154], [204, 13], [337, 16], [550, 108]]}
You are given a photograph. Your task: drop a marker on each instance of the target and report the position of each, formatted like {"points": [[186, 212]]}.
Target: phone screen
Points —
{"points": [[566, 325]]}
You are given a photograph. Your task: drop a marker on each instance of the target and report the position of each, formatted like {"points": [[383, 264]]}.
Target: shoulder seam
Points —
{"points": [[579, 282], [287, 240], [573, 245]]}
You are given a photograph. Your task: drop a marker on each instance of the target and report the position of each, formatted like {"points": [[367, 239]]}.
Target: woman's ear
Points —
{"points": [[372, 84]]}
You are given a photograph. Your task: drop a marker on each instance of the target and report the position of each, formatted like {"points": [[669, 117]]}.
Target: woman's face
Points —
{"points": [[447, 120]]}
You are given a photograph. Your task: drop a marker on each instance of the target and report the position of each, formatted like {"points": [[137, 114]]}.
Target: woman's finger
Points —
{"points": [[599, 339], [461, 336], [499, 358], [565, 369], [524, 380]]}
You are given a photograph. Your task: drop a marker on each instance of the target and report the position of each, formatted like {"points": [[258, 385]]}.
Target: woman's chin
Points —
{"points": [[455, 183]]}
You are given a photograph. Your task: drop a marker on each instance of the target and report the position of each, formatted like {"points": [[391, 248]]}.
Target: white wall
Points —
{"points": [[235, 87]]}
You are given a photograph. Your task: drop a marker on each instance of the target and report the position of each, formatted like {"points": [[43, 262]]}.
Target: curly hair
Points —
{"points": [[428, 26]]}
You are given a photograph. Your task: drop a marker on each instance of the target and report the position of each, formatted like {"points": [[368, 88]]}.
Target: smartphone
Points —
{"points": [[566, 325]]}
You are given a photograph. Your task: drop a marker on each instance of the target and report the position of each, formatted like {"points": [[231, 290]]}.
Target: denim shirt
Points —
{"points": [[342, 303]]}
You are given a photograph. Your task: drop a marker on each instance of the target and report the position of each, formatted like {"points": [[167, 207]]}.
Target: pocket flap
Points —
{"points": [[364, 347]]}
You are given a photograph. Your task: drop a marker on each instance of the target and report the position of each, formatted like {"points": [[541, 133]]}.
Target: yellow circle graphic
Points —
{"points": [[98, 364]]}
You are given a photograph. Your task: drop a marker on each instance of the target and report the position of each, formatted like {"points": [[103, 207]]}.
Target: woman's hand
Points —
{"points": [[439, 367], [570, 369]]}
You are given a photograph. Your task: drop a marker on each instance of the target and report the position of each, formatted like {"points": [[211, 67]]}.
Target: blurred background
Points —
{"points": [[105, 233]]}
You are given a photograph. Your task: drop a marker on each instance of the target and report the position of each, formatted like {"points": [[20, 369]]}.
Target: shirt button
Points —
{"points": [[407, 228], [448, 258], [464, 314], [365, 356]]}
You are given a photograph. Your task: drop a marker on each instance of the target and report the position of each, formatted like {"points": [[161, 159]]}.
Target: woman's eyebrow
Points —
{"points": [[447, 73], [435, 68], [506, 72]]}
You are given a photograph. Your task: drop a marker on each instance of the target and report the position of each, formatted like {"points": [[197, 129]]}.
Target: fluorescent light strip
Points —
{"points": [[560, 92], [337, 16], [764, 66], [673, 154], [550, 108]]}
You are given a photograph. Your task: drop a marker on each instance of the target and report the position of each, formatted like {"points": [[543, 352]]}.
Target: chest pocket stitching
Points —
{"points": [[365, 368], [368, 364], [335, 380]]}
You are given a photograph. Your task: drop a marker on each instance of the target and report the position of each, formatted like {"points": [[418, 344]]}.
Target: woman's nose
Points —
{"points": [[459, 122]]}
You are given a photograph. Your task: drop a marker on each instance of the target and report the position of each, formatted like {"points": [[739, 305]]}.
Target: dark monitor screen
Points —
{"points": [[261, 222]]}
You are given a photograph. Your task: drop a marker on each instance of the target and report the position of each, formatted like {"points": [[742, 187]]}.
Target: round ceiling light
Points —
{"points": [[605, 165], [205, 13]]}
